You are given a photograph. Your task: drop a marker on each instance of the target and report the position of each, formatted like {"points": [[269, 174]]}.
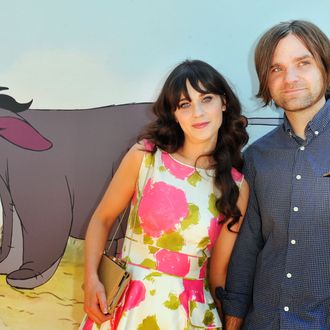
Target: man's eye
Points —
{"points": [[184, 105], [303, 63], [276, 69]]}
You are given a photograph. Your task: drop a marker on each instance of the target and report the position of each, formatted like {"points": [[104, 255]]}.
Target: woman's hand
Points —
{"points": [[114, 201], [95, 301]]}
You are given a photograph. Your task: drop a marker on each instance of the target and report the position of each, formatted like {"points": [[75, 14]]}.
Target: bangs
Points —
{"points": [[204, 81]]}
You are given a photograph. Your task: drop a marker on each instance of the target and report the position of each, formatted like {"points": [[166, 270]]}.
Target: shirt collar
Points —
{"points": [[317, 124]]}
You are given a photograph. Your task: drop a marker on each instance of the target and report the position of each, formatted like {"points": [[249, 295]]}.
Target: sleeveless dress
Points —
{"points": [[172, 227]]}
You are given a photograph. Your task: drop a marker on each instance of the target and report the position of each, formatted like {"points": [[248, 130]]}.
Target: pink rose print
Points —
{"points": [[193, 290], [149, 146], [237, 176], [202, 272], [180, 171], [134, 197], [173, 263], [214, 230], [88, 325], [184, 301], [135, 294], [161, 208]]}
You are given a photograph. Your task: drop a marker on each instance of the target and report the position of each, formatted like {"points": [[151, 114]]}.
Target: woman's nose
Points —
{"points": [[198, 110]]}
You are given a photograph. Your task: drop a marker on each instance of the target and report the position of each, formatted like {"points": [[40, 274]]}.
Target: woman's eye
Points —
{"points": [[184, 105], [207, 99]]}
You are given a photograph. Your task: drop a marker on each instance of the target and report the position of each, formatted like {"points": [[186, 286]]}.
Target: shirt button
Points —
{"points": [[288, 275], [316, 132], [286, 308], [293, 241], [302, 148], [295, 209], [298, 177]]}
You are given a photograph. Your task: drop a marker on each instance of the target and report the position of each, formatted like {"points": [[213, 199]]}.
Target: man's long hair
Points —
{"points": [[312, 37]]}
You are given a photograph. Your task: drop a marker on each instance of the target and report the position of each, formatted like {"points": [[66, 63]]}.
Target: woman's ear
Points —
{"points": [[224, 104]]}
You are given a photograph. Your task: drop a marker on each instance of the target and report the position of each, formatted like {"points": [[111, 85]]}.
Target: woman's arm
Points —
{"points": [[114, 201], [224, 245]]}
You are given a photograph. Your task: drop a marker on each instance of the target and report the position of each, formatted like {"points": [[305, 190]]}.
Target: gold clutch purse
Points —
{"points": [[112, 272], [115, 279], [113, 275]]}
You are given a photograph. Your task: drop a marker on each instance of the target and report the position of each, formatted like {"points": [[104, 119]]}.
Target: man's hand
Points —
{"points": [[233, 322]]}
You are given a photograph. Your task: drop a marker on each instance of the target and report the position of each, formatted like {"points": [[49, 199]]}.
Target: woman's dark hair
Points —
{"points": [[167, 134], [313, 38]]}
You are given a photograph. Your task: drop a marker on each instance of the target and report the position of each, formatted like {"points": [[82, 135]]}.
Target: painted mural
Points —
{"points": [[54, 167]]}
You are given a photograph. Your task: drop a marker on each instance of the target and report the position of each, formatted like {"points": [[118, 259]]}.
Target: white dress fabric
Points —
{"points": [[173, 225]]}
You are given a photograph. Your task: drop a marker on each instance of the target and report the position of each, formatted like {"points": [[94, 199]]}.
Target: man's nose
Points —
{"points": [[291, 75]]}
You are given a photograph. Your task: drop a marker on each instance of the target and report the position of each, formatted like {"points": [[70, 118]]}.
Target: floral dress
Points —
{"points": [[172, 228]]}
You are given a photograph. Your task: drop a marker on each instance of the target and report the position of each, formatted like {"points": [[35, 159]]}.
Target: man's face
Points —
{"points": [[295, 79]]}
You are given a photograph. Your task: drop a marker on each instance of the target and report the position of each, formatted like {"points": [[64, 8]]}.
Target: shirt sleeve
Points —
{"points": [[237, 296]]}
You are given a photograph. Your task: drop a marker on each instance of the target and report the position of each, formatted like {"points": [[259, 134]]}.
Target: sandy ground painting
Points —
{"points": [[56, 305]]}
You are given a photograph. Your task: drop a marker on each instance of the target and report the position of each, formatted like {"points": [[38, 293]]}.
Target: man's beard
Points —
{"points": [[299, 102]]}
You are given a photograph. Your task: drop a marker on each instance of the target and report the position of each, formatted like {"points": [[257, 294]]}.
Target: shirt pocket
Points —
{"points": [[319, 195], [326, 173], [322, 180]]}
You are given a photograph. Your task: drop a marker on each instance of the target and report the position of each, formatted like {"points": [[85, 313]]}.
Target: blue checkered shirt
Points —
{"points": [[279, 274]]}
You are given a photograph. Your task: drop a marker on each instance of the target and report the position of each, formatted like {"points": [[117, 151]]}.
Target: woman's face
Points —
{"points": [[200, 117]]}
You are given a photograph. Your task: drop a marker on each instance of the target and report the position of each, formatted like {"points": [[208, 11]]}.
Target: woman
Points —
{"points": [[179, 176]]}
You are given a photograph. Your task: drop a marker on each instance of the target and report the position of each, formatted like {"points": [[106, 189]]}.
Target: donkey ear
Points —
{"points": [[9, 103], [20, 133]]}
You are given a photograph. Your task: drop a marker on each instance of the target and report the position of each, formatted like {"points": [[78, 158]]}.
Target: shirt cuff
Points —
{"points": [[234, 304]]}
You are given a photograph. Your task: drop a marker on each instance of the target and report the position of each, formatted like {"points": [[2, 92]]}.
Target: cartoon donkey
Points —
{"points": [[54, 167]]}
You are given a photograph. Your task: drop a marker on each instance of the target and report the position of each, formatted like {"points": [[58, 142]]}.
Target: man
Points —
{"points": [[279, 274]]}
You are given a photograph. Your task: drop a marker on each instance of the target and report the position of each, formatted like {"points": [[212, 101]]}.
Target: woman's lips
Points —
{"points": [[200, 125]]}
